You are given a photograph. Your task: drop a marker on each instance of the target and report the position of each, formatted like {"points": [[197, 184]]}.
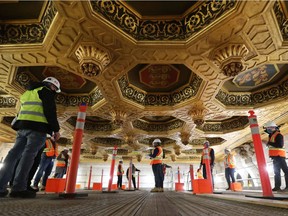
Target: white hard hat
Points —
{"points": [[206, 142], [270, 124], [227, 149], [156, 141], [54, 81]]}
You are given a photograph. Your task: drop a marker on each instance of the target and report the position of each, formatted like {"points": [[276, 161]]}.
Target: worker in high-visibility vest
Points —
{"points": [[120, 172], [61, 163], [229, 164], [156, 161], [211, 155], [277, 153], [36, 118], [49, 153]]}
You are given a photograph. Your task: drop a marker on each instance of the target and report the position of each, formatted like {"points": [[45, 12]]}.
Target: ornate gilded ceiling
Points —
{"points": [[149, 69]]}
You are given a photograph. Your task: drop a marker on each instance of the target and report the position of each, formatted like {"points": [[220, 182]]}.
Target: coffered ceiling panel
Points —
{"points": [[184, 72]]}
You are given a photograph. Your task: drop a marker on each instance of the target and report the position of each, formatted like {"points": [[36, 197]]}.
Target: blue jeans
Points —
{"points": [[229, 174], [44, 166], [158, 175], [28, 143]]}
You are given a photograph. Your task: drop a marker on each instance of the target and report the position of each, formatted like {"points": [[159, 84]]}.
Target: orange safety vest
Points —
{"points": [[121, 170], [203, 153], [229, 161], [61, 163], [50, 150], [275, 152], [159, 156]]}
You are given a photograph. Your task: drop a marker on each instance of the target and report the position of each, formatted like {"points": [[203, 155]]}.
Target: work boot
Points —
{"points": [[33, 188], [43, 188], [155, 190], [276, 189], [228, 188], [285, 190], [22, 194], [160, 190], [4, 193]]}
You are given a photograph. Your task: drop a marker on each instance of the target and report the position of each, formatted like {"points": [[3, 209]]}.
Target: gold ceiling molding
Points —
{"points": [[92, 58], [118, 117], [230, 58], [198, 112]]}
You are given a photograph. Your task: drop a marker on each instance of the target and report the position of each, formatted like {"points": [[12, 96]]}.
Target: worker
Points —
{"points": [[36, 118], [229, 164], [134, 170], [156, 161], [277, 153], [61, 164], [120, 172], [47, 161], [211, 155]]}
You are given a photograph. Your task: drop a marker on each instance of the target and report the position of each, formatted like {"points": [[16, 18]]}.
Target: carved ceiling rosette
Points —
{"points": [[173, 157], [139, 157], [177, 150], [92, 58], [105, 156], [198, 112], [184, 136], [230, 58], [93, 149], [118, 117]]}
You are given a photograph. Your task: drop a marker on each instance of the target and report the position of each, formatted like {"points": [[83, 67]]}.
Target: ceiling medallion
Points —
{"points": [[139, 157], [177, 150], [198, 113], [185, 137], [105, 157], [173, 158], [230, 58], [118, 117], [93, 150], [92, 58]]}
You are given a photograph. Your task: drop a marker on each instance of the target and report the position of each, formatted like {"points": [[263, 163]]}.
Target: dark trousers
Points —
{"points": [[158, 175], [229, 174], [205, 174], [278, 164], [119, 181], [133, 180]]}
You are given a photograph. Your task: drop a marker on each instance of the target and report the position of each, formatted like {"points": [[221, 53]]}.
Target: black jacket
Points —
{"points": [[49, 106]]}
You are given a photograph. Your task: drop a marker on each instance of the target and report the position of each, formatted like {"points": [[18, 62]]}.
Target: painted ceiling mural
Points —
{"points": [[183, 74]]}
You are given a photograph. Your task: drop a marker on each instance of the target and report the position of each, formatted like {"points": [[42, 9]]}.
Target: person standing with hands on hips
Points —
{"points": [[156, 161], [36, 118], [277, 153]]}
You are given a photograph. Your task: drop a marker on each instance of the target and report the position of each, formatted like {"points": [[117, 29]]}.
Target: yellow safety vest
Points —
{"points": [[31, 107]]}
